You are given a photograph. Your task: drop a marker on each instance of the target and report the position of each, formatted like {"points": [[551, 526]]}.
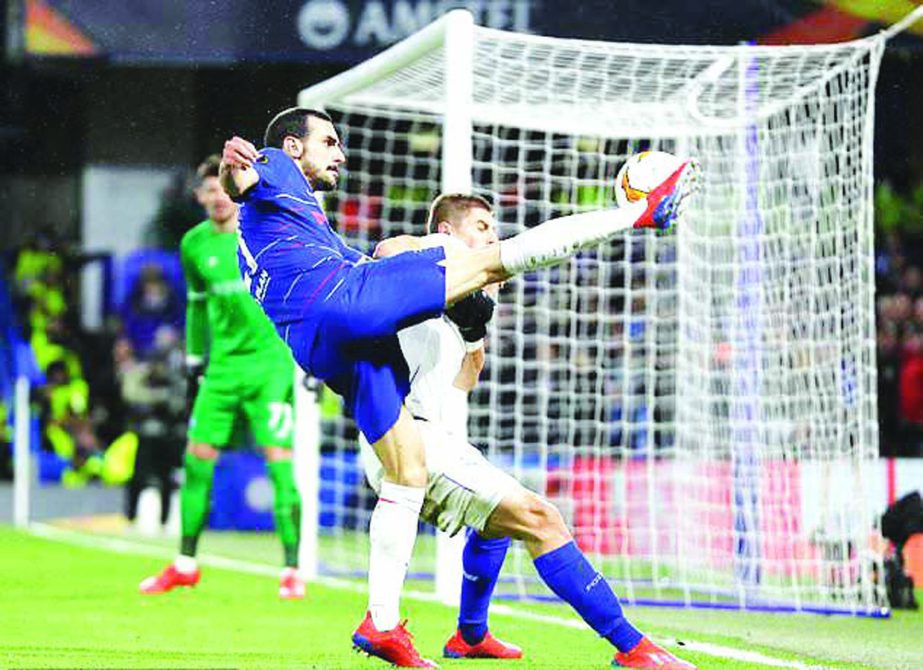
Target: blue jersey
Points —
{"points": [[338, 315], [286, 242]]}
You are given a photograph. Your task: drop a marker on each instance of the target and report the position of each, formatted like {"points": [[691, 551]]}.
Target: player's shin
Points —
{"points": [[392, 534], [570, 575], [482, 560], [194, 500], [286, 508], [557, 239]]}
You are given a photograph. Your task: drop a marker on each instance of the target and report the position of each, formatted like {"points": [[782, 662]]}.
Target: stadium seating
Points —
{"points": [[142, 327], [129, 269], [15, 356]]}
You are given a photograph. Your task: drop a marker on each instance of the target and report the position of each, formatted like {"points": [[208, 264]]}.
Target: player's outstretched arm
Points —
{"points": [[470, 371], [236, 173], [196, 322], [471, 315]]}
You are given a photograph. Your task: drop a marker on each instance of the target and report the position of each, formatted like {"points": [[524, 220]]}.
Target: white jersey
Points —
{"points": [[434, 351], [463, 488]]}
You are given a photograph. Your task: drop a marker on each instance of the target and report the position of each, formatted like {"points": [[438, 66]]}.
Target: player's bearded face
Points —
{"points": [[322, 155]]}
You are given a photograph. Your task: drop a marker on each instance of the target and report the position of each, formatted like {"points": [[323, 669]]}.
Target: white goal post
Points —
{"points": [[701, 406]]}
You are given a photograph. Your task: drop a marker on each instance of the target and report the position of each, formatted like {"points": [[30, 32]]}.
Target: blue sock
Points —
{"points": [[569, 574], [481, 562]]}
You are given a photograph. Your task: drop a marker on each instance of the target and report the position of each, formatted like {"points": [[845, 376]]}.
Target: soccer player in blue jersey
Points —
{"points": [[339, 312]]}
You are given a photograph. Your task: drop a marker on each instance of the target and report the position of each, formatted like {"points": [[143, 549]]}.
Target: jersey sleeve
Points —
{"points": [[196, 308], [350, 254], [271, 167]]}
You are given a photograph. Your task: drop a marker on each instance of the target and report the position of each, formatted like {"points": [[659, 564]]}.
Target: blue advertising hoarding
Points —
{"points": [[348, 31]]}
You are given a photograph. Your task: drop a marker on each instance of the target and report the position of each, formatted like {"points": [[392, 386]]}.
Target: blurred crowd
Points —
{"points": [[103, 396], [112, 404], [899, 307]]}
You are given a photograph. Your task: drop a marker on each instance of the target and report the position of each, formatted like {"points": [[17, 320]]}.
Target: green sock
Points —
{"points": [[287, 508], [194, 500]]}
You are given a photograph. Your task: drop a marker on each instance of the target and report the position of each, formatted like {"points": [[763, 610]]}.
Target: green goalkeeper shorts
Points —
{"points": [[264, 397]]}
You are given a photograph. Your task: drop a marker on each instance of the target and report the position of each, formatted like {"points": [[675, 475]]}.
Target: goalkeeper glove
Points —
{"points": [[471, 315]]}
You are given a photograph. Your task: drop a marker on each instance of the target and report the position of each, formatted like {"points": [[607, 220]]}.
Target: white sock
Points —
{"points": [[185, 564], [555, 240], [392, 533]]}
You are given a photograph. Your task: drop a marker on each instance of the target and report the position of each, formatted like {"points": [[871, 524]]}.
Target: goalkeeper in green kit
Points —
{"points": [[250, 371]]}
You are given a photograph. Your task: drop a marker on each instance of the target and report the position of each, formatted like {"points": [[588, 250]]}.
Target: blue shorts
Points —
{"points": [[354, 347]]}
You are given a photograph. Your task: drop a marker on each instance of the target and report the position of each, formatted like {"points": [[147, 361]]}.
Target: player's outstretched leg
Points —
{"points": [[551, 242], [287, 515], [194, 502], [567, 572], [556, 240], [570, 575], [481, 563]]}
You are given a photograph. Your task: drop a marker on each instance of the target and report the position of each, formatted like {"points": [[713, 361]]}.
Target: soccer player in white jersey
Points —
{"points": [[464, 490]]}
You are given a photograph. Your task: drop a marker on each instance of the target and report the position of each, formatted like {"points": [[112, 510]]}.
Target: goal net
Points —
{"points": [[700, 406]]}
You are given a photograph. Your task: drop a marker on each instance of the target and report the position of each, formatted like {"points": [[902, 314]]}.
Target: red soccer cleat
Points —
{"points": [[169, 579], [489, 647], [291, 586], [649, 655], [665, 203], [394, 646]]}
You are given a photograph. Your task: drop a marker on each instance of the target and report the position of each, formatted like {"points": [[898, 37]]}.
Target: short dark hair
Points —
{"points": [[207, 168], [292, 121], [449, 205]]}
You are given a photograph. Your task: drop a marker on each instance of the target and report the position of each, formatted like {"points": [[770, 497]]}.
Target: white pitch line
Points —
{"points": [[701, 647], [742, 655], [121, 546]]}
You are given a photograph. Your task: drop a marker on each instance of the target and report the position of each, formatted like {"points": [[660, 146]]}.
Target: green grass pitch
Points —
{"points": [[72, 602]]}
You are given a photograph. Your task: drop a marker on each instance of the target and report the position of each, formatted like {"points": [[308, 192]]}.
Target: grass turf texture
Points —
{"points": [[65, 606]]}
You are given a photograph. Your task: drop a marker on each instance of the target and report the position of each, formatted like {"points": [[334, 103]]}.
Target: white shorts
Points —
{"points": [[463, 488]]}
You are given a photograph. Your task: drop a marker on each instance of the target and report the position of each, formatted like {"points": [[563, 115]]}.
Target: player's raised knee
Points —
{"points": [[402, 467], [545, 519], [407, 475], [527, 516], [397, 245]]}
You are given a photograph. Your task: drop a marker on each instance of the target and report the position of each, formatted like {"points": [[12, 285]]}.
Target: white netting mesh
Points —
{"points": [[701, 407]]}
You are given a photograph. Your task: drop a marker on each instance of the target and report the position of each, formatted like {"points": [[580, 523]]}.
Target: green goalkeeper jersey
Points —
{"points": [[222, 320]]}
